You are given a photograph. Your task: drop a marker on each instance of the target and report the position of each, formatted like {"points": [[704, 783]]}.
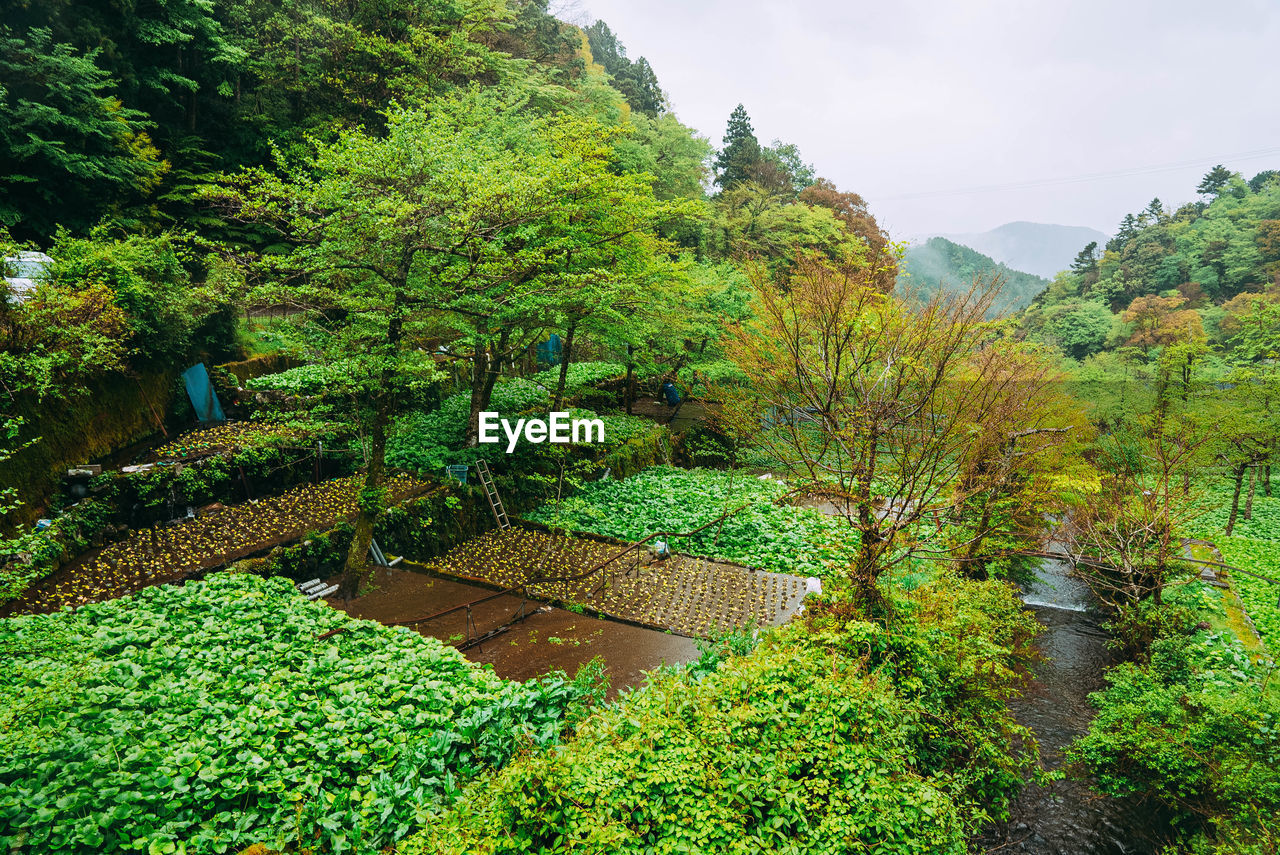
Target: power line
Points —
{"points": [[1081, 179]]}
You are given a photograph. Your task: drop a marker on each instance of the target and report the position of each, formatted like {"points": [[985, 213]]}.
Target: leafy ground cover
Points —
{"points": [[213, 717], [835, 735], [1260, 598], [781, 538], [1265, 524], [580, 375], [1254, 545]]}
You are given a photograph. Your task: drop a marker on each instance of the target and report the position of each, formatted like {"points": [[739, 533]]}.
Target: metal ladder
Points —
{"points": [[491, 492]]}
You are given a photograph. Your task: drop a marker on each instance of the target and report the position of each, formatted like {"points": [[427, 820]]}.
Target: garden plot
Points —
{"points": [[685, 594], [218, 439], [161, 554]]}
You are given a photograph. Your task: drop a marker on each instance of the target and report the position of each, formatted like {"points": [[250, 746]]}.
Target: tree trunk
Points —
{"points": [[1253, 486], [479, 372], [1235, 499], [866, 573], [565, 354], [972, 566], [483, 379], [629, 392], [371, 499], [370, 506], [1266, 480]]}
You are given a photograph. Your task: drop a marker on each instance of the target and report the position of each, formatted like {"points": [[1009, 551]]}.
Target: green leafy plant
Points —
{"points": [[216, 717], [782, 538]]}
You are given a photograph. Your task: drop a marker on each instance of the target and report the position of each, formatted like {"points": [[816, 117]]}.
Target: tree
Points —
{"points": [[70, 150], [1262, 179], [1079, 328], [851, 209], [1160, 321], [1085, 264], [865, 400], [1214, 181], [1009, 480], [1154, 212], [471, 216], [741, 152], [635, 80]]}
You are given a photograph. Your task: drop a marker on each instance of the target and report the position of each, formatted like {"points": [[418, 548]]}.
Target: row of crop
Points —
{"points": [[121, 501], [220, 714], [778, 537]]}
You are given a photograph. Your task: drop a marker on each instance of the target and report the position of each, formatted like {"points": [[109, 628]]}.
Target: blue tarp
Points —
{"points": [[200, 391], [550, 350]]}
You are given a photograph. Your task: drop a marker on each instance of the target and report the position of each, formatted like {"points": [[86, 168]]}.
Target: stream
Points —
{"points": [[1066, 817]]}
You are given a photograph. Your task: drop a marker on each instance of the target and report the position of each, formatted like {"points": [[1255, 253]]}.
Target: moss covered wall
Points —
{"points": [[106, 417]]}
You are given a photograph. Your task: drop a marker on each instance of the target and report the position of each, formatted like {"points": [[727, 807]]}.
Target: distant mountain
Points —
{"points": [[942, 264], [1038, 248]]}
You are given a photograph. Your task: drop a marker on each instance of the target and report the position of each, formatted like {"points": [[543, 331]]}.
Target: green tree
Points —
{"points": [[472, 216], [69, 149], [1214, 181], [741, 152], [634, 79], [1079, 328]]}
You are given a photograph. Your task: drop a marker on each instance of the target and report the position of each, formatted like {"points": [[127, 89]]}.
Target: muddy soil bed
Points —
{"points": [[548, 639], [683, 594], [172, 553]]}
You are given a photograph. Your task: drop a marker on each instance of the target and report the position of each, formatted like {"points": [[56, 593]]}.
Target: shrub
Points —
{"points": [[1197, 730]]}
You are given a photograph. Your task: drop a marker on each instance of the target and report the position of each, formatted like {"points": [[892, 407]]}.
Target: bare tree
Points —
{"points": [[1126, 543], [866, 400]]}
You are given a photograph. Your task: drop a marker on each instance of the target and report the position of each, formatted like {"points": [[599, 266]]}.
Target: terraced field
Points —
{"points": [[684, 594], [170, 553]]}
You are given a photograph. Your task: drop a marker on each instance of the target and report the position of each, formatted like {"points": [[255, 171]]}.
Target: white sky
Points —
{"points": [[906, 101]]}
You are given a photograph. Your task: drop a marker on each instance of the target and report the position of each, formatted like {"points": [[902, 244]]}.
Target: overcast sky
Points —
{"points": [[916, 103]]}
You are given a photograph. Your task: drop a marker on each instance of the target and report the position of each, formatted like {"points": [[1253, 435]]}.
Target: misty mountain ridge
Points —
{"points": [[941, 264], [1042, 249]]}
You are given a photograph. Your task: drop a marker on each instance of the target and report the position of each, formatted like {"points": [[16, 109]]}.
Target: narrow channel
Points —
{"points": [[1066, 817]]}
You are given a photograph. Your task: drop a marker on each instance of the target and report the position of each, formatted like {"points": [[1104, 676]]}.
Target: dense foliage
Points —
{"points": [[913, 751], [1196, 729], [1259, 596], [941, 265], [1205, 264], [213, 717]]}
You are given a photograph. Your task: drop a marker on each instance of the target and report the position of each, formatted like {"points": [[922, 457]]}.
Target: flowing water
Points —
{"points": [[1066, 817]]}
